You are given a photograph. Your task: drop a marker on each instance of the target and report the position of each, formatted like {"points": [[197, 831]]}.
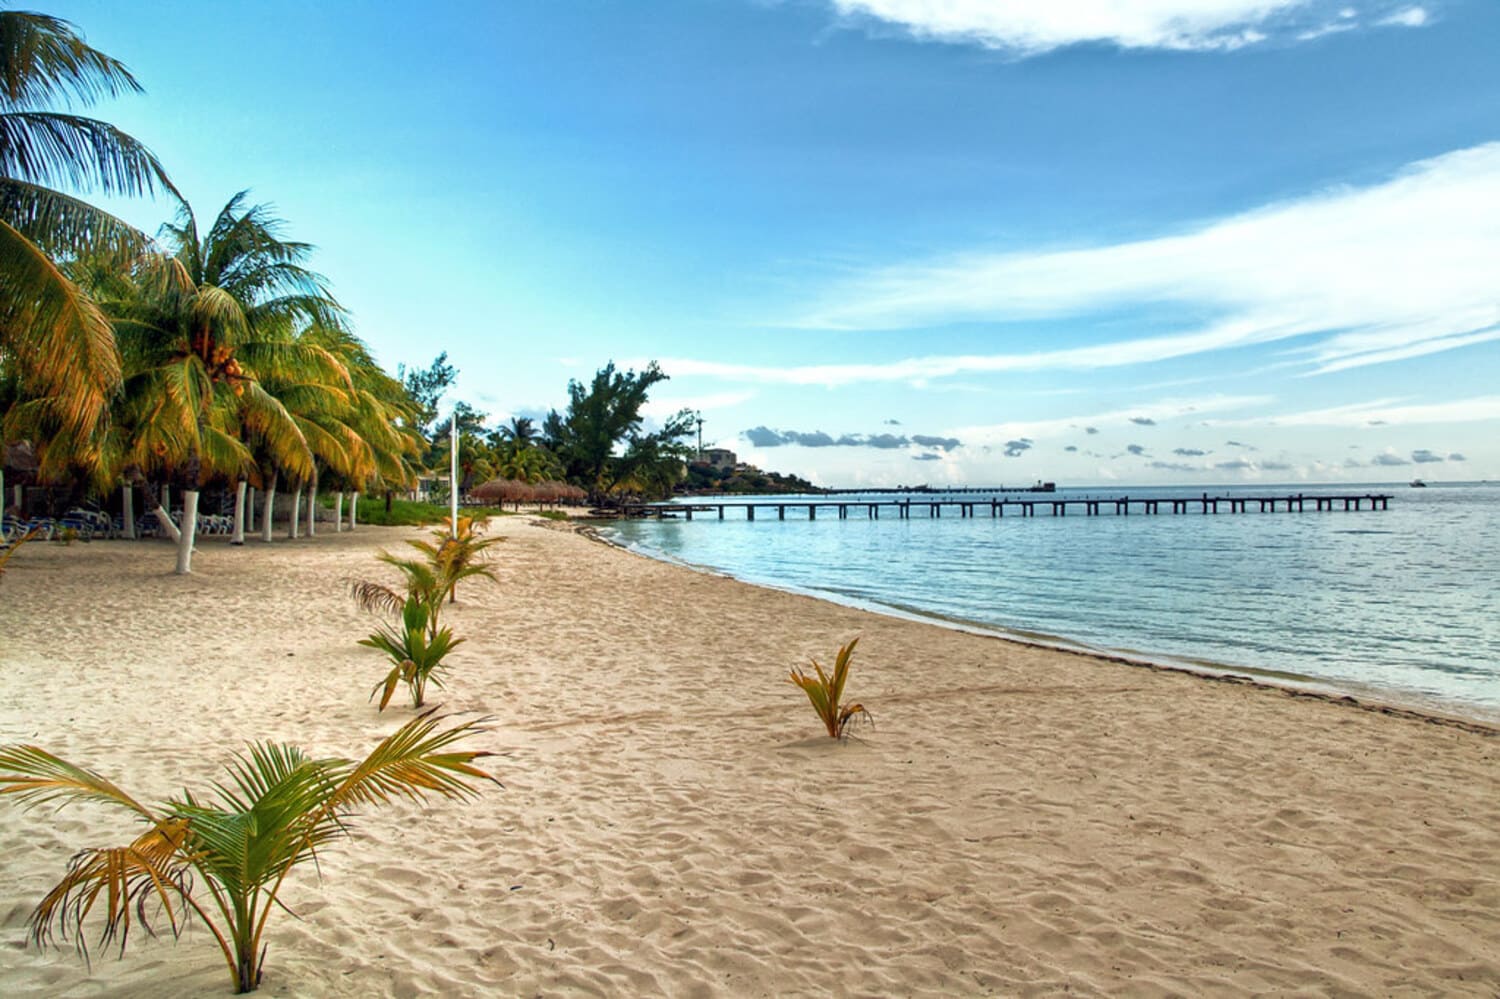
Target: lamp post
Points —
{"points": [[453, 478]]}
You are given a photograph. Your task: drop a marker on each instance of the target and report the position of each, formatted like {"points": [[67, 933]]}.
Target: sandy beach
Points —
{"points": [[1019, 821]]}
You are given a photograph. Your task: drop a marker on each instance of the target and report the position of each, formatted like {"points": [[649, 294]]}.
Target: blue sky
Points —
{"points": [[890, 241]]}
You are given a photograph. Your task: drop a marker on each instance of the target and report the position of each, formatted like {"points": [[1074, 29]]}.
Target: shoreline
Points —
{"points": [[1018, 821], [1366, 697]]}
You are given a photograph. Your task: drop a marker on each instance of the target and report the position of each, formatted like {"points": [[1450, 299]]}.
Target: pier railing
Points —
{"points": [[996, 506]]}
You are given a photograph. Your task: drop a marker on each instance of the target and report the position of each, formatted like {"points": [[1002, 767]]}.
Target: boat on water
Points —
{"points": [[1418, 484]]}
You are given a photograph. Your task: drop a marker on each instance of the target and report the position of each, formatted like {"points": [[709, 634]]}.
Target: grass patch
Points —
{"points": [[406, 513]]}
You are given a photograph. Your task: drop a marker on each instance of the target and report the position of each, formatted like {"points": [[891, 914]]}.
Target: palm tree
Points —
{"points": [[57, 343], [278, 808], [375, 425], [519, 433], [207, 334]]}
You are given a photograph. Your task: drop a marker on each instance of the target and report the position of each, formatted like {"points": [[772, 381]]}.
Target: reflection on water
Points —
{"points": [[1404, 600]]}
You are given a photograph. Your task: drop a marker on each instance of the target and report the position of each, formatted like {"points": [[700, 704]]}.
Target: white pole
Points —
{"points": [[354, 510], [338, 511], [453, 479]]}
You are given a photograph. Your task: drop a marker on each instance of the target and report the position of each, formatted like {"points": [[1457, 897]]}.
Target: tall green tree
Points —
{"points": [[55, 343], [601, 439]]}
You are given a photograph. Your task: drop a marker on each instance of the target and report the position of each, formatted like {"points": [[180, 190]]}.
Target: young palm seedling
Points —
{"points": [[826, 692], [455, 554], [415, 650], [225, 856]]}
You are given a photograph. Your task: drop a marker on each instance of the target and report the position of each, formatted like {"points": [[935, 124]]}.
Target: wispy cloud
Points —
{"points": [[1375, 274], [1031, 27], [1384, 412], [1410, 17]]}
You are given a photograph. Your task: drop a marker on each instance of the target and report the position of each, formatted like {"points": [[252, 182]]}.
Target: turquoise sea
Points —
{"points": [[1401, 605]]}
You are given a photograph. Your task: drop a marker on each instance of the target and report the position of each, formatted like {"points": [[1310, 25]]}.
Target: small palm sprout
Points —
{"points": [[826, 692], [454, 554], [417, 644], [276, 810], [416, 654]]}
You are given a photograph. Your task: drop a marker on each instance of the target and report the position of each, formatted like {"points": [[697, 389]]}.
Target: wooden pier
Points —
{"points": [[996, 506]]}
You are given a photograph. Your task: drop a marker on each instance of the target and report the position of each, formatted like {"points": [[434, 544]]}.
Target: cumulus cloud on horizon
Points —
{"points": [[1033, 27]]}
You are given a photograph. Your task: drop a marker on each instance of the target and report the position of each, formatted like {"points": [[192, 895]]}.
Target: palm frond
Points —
{"points": [[412, 762], [375, 597], [62, 344], [129, 878], [37, 777], [44, 61], [64, 225], [63, 150]]}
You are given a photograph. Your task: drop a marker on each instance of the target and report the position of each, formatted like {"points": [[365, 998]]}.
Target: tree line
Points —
{"points": [[213, 356]]}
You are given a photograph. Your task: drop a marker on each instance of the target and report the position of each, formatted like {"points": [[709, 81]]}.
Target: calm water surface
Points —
{"points": [[1403, 603]]}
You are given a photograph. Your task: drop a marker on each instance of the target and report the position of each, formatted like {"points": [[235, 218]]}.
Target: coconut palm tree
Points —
{"points": [[224, 857], [374, 427], [54, 340], [207, 334]]}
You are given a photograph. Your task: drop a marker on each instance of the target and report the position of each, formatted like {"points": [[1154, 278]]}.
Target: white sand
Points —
{"points": [[1020, 821]]}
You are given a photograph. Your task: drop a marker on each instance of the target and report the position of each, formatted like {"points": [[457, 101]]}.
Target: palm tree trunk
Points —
{"points": [[127, 510], [238, 538], [163, 517], [353, 510], [292, 530], [338, 511], [268, 510], [189, 531], [312, 507]]}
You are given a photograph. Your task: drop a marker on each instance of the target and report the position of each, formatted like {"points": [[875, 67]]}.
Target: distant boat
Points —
{"points": [[1418, 484]]}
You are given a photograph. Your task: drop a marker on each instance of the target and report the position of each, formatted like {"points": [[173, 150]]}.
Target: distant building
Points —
{"points": [[718, 458]]}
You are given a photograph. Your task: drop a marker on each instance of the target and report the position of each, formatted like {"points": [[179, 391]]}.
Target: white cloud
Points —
{"points": [[1411, 17], [1031, 27], [1384, 412], [1381, 273]]}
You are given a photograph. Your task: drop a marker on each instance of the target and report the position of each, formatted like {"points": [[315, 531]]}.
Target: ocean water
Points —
{"points": [[1401, 604]]}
